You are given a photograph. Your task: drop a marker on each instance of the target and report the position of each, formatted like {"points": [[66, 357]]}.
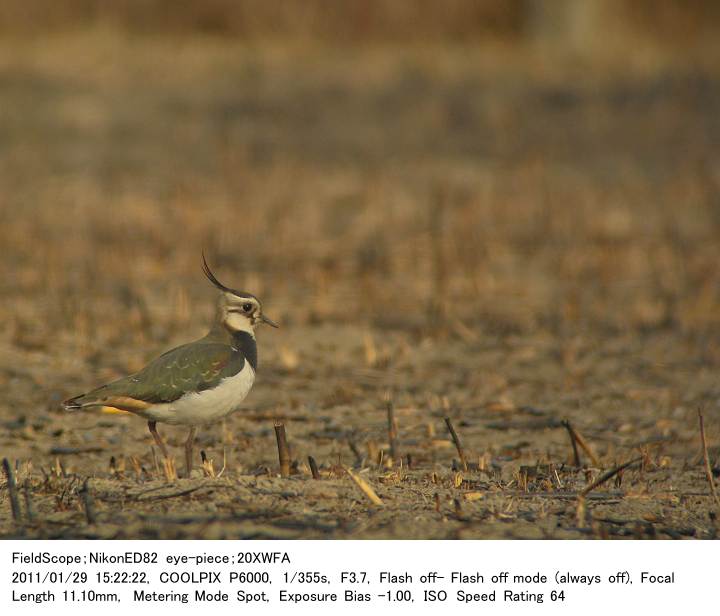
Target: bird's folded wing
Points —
{"points": [[190, 368]]}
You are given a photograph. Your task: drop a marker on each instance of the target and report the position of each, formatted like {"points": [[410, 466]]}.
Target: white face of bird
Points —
{"points": [[241, 313], [237, 311]]}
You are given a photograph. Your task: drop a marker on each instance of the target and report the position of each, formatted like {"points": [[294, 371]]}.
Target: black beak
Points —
{"points": [[264, 319]]}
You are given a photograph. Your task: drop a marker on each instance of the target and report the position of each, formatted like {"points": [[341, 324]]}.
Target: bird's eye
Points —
{"points": [[247, 307]]}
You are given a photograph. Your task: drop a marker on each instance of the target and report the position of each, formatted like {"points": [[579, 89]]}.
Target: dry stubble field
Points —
{"points": [[486, 234]]}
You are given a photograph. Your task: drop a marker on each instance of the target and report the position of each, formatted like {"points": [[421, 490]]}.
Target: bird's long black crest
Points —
{"points": [[211, 277]]}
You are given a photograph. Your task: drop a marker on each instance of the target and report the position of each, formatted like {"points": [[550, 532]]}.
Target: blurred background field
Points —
{"points": [[505, 212]]}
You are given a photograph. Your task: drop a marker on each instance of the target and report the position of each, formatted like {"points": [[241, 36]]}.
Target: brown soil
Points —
{"points": [[476, 233]]}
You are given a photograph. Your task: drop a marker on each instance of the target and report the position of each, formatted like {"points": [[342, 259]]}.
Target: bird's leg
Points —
{"points": [[189, 450], [156, 437]]}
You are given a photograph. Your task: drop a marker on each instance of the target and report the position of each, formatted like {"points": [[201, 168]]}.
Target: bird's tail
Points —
{"points": [[75, 404], [82, 401], [87, 401]]}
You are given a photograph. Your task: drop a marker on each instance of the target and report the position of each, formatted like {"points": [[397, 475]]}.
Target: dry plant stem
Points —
{"points": [[608, 475], [364, 487], [573, 442], [356, 453], [283, 451], [392, 431], [59, 470], [224, 466], [706, 459], [169, 469], [183, 492], [313, 468], [586, 447], [29, 505], [373, 452], [88, 503], [207, 465], [456, 440], [12, 490], [138, 468], [580, 512], [189, 450]]}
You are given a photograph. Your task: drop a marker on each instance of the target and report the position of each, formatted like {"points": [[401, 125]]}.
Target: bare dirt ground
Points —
{"points": [[487, 234]]}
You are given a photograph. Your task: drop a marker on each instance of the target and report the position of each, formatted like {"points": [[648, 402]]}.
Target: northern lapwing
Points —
{"points": [[196, 383]]}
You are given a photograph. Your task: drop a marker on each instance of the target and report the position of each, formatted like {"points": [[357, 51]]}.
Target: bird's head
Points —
{"points": [[237, 310]]}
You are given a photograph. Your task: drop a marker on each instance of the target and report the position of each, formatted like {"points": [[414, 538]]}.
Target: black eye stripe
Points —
{"points": [[247, 308]]}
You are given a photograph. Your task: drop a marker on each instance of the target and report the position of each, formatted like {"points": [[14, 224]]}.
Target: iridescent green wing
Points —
{"points": [[189, 368]]}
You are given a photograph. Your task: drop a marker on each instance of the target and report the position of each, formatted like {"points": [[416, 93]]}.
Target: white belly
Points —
{"points": [[205, 406]]}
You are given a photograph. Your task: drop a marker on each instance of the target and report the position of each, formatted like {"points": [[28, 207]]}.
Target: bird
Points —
{"points": [[196, 383]]}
